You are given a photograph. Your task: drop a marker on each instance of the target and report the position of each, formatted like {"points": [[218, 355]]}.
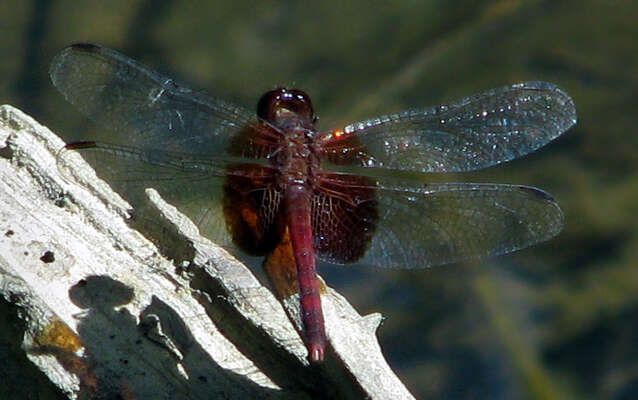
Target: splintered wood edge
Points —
{"points": [[86, 233]]}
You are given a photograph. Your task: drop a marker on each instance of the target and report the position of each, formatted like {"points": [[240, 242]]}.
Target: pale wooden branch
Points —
{"points": [[107, 313]]}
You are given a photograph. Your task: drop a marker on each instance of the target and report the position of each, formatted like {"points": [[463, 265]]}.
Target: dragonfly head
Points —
{"points": [[285, 108]]}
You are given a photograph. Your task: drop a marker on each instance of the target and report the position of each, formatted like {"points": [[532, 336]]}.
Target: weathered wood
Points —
{"points": [[107, 313]]}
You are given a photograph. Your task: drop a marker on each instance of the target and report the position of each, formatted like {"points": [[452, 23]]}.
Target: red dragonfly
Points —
{"points": [[273, 184]]}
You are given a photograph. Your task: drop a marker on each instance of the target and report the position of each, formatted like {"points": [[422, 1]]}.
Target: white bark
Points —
{"points": [[106, 313]]}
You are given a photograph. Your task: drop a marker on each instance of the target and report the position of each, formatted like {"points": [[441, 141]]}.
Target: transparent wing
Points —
{"points": [[423, 225], [143, 108], [473, 133], [193, 184]]}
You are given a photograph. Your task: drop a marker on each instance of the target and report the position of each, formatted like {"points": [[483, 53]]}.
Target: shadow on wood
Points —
{"points": [[119, 317]]}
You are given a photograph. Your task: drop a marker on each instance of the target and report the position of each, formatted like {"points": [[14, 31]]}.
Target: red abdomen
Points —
{"points": [[298, 208]]}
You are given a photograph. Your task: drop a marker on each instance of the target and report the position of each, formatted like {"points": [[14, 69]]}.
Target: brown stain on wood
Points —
{"points": [[58, 334]]}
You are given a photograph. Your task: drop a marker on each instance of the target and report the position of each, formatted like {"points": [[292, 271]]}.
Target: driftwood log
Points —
{"points": [[107, 313]]}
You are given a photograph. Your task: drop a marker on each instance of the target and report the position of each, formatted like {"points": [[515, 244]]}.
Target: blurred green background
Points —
{"points": [[559, 320]]}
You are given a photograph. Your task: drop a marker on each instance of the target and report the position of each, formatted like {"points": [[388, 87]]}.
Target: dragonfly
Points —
{"points": [[272, 183]]}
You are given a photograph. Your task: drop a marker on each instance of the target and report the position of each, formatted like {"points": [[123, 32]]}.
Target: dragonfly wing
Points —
{"points": [[473, 133], [439, 223], [143, 108], [344, 217], [195, 185]]}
